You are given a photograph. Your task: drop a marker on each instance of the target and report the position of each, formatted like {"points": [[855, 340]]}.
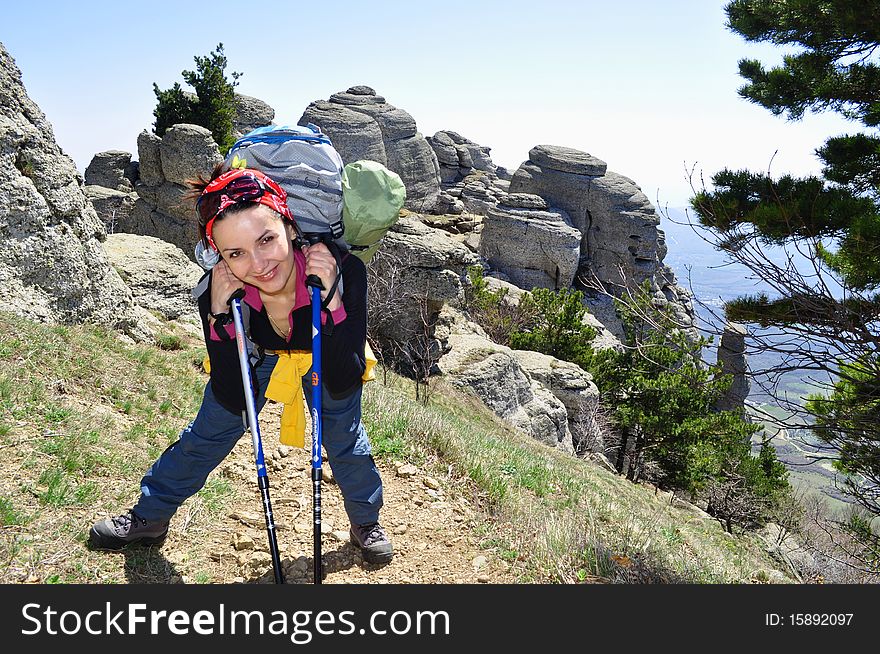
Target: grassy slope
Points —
{"points": [[82, 415]]}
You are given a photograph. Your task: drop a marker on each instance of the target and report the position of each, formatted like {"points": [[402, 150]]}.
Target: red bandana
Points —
{"points": [[234, 187]]}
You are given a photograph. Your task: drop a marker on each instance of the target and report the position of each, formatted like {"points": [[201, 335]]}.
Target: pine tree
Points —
{"points": [[662, 396], [213, 106], [834, 219]]}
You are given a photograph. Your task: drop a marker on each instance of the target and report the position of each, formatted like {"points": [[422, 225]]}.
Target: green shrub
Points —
{"points": [[558, 328], [663, 398], [169, 342], [214, 104], [493, 311]]}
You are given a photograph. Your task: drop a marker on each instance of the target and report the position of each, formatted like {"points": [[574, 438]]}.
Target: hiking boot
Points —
{"points": [[126, 529], [373, 543]]}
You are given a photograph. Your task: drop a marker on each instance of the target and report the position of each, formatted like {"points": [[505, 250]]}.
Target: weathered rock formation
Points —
{"points": [[162, 210], [53, 267], [574, 387], [416, 272], [493, 373], [250, 113], [458, 156], [732, 358], [363, 126], [470, 181], [112, 169], [531, 245], [114, 208], [621, 245], [158, 207]]}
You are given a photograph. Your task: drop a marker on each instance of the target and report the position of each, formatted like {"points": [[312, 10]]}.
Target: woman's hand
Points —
{"points": [[321, 262], [223, 285]]}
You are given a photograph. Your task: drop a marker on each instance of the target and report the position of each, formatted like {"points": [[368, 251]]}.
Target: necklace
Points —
{"points": [[285, 334]]}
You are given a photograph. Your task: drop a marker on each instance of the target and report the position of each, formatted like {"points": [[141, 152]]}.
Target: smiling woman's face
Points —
{"points": [[256, 244]]}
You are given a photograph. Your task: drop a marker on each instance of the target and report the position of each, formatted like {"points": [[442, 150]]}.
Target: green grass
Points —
{"points": [[558, 518], [55, 489], [169, 342], [9, 515], [215, 493], [89, 413]]}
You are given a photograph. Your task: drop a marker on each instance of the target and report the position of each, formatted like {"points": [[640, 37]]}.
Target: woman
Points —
{"points": [[243, 216]]}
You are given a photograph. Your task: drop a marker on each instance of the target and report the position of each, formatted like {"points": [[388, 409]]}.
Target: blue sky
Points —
{"points": [[649, 87]]}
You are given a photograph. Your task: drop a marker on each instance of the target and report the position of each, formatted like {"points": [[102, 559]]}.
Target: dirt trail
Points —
{"points": [[432, 525]]}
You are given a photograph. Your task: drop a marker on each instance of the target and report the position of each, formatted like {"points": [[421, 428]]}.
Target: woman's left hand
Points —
{"points": [[321, 262]]}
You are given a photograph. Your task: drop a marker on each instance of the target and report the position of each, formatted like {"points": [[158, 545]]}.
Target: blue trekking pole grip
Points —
{"points": [[254, 428], [314, 282]]}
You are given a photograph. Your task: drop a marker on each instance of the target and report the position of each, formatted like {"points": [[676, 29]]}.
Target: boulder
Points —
{"points": [[492, 373], [113, 207], [574, 387], [458, 156], [159, 274], [567, 160], [533, 247], [355, 135], [146, 220], [112, 169], [414, 278], [150, 158], [250, 113], [187, 151]]}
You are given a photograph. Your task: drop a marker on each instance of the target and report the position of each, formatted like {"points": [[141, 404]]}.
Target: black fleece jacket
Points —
{"points": [[342, 349]]}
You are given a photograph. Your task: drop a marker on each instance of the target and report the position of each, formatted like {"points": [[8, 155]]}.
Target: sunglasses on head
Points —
{"points": [[235, 187], [243, 188]]}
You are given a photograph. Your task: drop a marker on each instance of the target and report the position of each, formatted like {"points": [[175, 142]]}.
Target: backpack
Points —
{"points": [[306, 165], [354, 205], [372, 197]]}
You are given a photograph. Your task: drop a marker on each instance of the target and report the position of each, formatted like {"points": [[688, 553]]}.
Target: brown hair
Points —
{"points": [[196, 185]]}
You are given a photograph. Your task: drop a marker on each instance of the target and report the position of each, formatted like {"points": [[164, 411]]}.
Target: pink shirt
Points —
{"points": [[302, 297]]}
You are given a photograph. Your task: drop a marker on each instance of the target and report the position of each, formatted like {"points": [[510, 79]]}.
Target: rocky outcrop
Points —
{"points": [[531, 245], [493, 374], [574, 387], [732, 359], [458, 156], [621, 245], [250, 113], [470, 181], [553, 401], [363, 126], [112, 169], [114, 208], [617, 222], [53, 267], [417, 271], [160, 207], [162, 210]]}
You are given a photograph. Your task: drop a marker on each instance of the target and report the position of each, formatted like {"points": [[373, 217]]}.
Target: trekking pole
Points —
{"points": [[254, 427], [317, 286]]}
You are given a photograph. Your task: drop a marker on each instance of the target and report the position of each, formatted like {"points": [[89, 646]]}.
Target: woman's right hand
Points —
{"points": [[223, 285]]}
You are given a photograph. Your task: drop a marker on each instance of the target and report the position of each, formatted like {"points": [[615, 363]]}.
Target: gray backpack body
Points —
{"points": [[304, 162]]}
